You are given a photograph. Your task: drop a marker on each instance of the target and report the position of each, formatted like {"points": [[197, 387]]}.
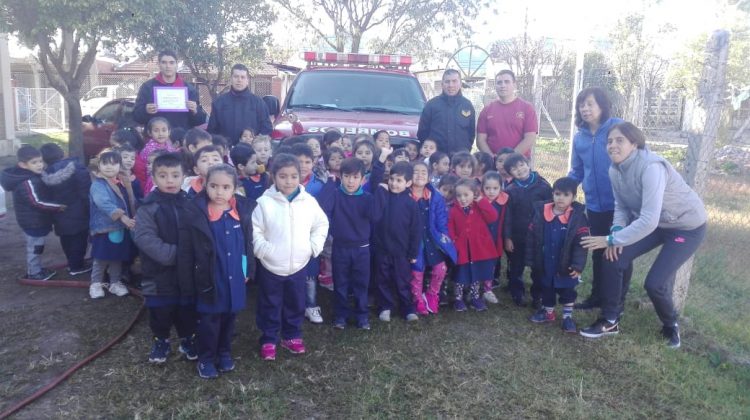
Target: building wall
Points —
{"points": [[8, 143]]}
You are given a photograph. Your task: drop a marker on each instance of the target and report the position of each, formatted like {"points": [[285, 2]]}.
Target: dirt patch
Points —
{"points": [[47, 330]]}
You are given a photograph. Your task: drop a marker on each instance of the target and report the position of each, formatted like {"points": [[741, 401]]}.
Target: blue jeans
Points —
{"points": [[351, 273]]}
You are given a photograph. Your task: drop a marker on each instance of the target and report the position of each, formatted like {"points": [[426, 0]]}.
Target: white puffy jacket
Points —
{"points": [[287, 234]]}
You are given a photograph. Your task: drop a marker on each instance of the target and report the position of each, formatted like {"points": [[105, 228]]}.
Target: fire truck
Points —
{"points": [[352, 93]]}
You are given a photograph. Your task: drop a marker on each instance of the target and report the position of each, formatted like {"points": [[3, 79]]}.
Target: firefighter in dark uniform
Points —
{"points": [[449, 118]]}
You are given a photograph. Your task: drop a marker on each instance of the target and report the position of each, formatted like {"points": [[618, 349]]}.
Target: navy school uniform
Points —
{"points": [[215, 260], [254, 186], [521, 197], [554, 249], [351, 218], [396, 242]]}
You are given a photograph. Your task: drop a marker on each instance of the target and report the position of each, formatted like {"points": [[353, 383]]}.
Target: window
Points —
{"points": [[100, 92], [358, 89], [108, 113]]}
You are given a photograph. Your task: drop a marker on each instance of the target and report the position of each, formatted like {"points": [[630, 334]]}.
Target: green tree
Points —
{"points": [[404, 26], [210, 35], [65, 35]]}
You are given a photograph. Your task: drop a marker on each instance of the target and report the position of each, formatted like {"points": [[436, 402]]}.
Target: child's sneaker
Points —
{"points": [[490, 297], [96, 291], [77, 271], [326, 282], [364, 326], [518, 301], [541, 316], [43, 275], [118, 289], [459, 305], [226, 364], [268, 351], [421, 307], [313, 315], [187, 347], [339, 324], [412, 317], [385, 315], [478, 304], [432, 302], [569, 326], [159, 351], [536, 303], [207, 371], [295, 345]]}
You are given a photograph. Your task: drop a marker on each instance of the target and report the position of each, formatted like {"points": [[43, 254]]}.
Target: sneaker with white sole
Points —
{"points": [[385, 315], [489, 297], [43, 275], [78, 271], [672, 335], [412, 317], [118, 289], [313, 315], [601, 328], [96, 291]]}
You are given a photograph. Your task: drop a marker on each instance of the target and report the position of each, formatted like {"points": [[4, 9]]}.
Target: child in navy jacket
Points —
{"points": [[215, 261], [252, 182], [396, 244], [69, 182], [352, 213], [33, 210], [156, 233], [527, 188], [435, 246], [553, 248]]}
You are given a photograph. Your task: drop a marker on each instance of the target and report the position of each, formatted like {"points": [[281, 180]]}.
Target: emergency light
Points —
{"points": [[357, 59]]}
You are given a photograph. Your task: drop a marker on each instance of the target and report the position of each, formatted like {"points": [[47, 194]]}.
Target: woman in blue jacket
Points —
{"points": [[589, 165]]}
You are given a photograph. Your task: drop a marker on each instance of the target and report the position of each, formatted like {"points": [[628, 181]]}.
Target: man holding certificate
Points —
{"points": [[239, 109], [170, 97]]}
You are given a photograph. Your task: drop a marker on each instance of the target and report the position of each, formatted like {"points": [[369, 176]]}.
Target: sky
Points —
{"points": [[567, 21]]}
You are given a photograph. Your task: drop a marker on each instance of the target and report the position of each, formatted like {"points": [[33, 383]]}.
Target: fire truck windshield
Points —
{"points": [[357, 91]]}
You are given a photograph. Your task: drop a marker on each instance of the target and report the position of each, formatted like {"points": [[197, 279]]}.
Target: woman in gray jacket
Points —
{"points": [[653, 207]]}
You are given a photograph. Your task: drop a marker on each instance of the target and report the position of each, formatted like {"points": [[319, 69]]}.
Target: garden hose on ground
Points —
{"points": [[65, 375]]}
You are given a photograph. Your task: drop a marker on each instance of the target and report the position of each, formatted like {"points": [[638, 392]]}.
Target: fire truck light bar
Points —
{"points": [[362, 59]]}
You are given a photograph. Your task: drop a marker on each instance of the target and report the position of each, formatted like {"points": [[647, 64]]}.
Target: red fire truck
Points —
{"points": [[352, 93]]}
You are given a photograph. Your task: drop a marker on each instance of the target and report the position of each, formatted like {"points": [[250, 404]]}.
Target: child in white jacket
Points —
{"points": [[289, 228]]}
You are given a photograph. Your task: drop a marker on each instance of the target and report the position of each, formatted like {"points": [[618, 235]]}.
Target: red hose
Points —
{"points": [[65, 375]]}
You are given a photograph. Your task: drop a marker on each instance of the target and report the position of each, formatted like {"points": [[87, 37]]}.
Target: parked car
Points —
{"points": [[100, 95], [97, 128]]}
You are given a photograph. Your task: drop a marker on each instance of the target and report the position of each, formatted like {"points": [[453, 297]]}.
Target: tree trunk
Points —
{"points": [[711, 90], [75, 131]]}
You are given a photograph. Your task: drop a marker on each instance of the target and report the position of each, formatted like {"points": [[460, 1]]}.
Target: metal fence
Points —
{"points": [[39, 109]]}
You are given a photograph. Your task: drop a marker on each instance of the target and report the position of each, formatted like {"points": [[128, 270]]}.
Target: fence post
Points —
{"points": [[702, 135]]}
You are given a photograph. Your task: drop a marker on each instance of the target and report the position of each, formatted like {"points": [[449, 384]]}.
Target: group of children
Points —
{"points": [[349, 214]]}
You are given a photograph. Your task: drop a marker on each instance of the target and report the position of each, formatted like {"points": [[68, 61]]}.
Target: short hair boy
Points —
{"points": [[527, 188], [156, 235], [396, 244], [352, 211], [553, 248], [245, 159], [68, 183], [32, 208], [204, 158]]}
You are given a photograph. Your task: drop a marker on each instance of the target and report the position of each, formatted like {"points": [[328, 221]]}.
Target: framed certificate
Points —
{"points": [[171, 99]]}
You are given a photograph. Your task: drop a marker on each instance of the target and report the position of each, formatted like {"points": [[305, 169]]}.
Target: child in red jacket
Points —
{"points": [[467, 227]]}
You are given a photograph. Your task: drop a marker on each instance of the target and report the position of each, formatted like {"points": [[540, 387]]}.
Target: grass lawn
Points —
{"points": [[494, 364]]}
